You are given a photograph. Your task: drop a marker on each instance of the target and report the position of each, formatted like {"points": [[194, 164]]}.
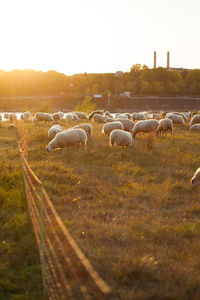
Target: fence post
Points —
{"points": [[43, 261]]}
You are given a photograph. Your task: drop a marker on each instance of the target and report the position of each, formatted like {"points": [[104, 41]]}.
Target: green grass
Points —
{"points": [[131, 210], [20, 275]]}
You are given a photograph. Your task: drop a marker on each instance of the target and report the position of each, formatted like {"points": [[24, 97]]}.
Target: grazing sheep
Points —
{"points": [[195, 127], [145, 126], [61, 114], [42, 117], [146, 114], [120, 138], [69, 117], [12, 117], [67, 138], [195, 181], [108, 114], [110, 120], [138, 116], [6, 116], [56, 117], [81, 115], [26, 115], [181, 114], [108, 127], [99, 112], [85, 126], [99, 118], [176, 119], [128, 124], [121, 116], [188, 114], [54, 130], [195, 120], [164, 125], [156, 117]]}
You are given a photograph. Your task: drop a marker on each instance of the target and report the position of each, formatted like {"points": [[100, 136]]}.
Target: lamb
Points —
{"points": [[99, 118], [108, 127], [195, 120], [195, 127], [85, 126], [40, 116], [128, 124], [120, 138], [176, 119], [54, 130], [138, 116], [195, 181], [145, 126], [67, 138], [164, 125], [56, 117]]}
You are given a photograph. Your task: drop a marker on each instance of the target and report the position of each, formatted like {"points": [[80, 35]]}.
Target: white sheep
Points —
{"points": [[85, 126], [195, 181], [56, 116], [146, 126], [164, 125], [138, 116], [188, 114], [61, 114], [108, 127], [99, 112], [54, 130], [25, 116], [6, 116], [67, 138], [81, 115], [99, 118], [121, 116], [43, 117], [120, 138], [195, 127], [176, 119], [181, 114], [108, 114], [68, 117], [128, 124], [195, 120]]}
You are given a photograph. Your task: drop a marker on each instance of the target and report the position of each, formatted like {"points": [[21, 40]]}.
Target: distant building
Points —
{"points": [[126, 94], [119, 73], [97, 96]]}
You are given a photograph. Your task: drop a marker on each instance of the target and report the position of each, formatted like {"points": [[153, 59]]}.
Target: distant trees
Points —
{"points": [[140, 81]]}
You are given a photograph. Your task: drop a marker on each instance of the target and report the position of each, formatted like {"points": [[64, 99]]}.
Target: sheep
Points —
{"points": [[26, 115], [145, 126], [164, 125], [181, 114], [156, 117], [188, 114], [195, 120], [120, 138], [61, 114], [195, 181], [128, 124], [108, 127], [6, 116], [40, 116], [81, 115], [68, 137], [138, 116], [56, 117], [108, 114], [99, 112], [146, 114], [109, 120], [121, 116], [54, 130], [85, 126], [176, 119], [75, 117], [12, 117], [99, 118], [195, 127]]}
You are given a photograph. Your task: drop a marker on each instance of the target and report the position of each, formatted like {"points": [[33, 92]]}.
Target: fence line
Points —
{"points": [[66, 272]]}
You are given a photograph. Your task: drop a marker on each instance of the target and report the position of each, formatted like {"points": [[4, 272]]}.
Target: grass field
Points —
{"points": [[131, 210]]}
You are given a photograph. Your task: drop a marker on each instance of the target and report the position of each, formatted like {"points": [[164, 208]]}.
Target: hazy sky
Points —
{"points": [[76, 36]]}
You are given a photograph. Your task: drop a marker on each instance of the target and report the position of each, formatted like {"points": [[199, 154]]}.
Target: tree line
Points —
{"points": [[139, 81]]}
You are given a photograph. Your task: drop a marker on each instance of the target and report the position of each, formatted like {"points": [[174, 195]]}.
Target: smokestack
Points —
{"points": [[154, 61], [167, 59]]}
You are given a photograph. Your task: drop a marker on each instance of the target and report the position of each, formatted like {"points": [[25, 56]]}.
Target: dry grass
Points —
{"points": [[131, 210]]}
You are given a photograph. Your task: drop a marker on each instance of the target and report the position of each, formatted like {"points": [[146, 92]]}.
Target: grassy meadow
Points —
{"points": [[131, 210], [20, 275]]}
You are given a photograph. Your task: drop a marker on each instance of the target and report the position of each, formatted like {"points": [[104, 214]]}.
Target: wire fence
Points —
{"points": [[66, 272]]}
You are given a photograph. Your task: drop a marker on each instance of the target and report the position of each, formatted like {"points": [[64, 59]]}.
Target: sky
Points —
{"points": [[98, 36]]}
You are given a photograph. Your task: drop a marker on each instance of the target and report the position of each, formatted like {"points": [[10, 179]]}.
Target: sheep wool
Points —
{"points": [[66, 138], [120, 138], [108, 127], [146, 126]]}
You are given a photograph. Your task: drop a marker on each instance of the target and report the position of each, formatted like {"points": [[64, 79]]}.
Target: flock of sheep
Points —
{"points": [[120, 127]]}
